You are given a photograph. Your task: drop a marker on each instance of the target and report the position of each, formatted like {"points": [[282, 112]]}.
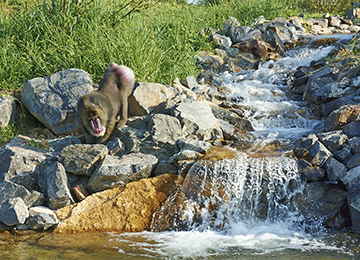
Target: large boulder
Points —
{"points": [[123, 209], [53, 100], [197, 119], [13, 211], [114, 171]]}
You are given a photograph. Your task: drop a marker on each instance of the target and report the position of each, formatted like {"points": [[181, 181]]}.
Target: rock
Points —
{"points": [[343, 154], [53, 100], [335, 169], [333, 140], [41, 218], [322, 22], [8, 111], [354, 144], [274, 40], [354, 28], [318, 154], [147, 96], [220, 40], [163, 168], [115, 147], [242, 125], [53, 182], [18, 162], [353, 161], [10, 190], [323, 202], [81, 159], [155, 134], [352, 129], [60, 143], [40, 221], [193, 145], [196, 118], [115, 172], [351, 178], [128, 209], [13, 211], [341, 116], [309, 172], [353, 198], [184, 155]]}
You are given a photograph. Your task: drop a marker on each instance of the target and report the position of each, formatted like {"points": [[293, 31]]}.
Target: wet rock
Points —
{"points": [[114, 171], [8, 111], [18, 162], [53, 182], [310, 172], [147, 96], [242, 125], [13, 211], [351, 178], [125, 209], [197, 118], [335, 169], [333, 140], [53, 100], [324, 202], [81, 159], [184, 155]]}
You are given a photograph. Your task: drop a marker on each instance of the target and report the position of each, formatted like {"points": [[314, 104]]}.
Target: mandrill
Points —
{"points": [[98, 110]]}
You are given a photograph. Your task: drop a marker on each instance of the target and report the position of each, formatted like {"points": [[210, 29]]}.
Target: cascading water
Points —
{"points": [[245, 207]]}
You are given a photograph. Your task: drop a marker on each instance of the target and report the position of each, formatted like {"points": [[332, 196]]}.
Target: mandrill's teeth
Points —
{"points": [[96, 127]]}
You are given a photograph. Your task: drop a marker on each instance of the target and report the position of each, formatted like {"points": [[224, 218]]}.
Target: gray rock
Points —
{"points": [[197, 119], [116, 147], [60, 143], [8, 111], [184, 155], [18, 162], [13, 211], [242, 125], [334, 169], [310, 172], [274, 40], [41, 221], [115, 171], [146, 97], [164, 167], [220, 40], [81, 159], [11, 190], [194, 145], [354, 144], [318, 154], [333, 140], [323, 202], [353, 161], [53, 182], [322, 22], [164, 129], [351, 178], [236, 32], [53, 100], [343, 154], [353, 197], [352, 129]]}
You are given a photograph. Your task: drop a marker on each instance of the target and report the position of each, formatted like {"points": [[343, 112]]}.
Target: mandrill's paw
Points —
{"points": [[97, 129]]}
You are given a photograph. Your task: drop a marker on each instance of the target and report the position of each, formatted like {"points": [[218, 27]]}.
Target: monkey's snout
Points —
{"points": [[96, 127]]}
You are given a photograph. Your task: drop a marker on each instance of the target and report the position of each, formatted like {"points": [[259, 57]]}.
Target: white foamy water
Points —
{"points": [[245, 208], [262, 94]]}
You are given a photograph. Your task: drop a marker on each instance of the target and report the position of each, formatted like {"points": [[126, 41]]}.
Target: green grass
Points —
{"points": [[157, 39]]}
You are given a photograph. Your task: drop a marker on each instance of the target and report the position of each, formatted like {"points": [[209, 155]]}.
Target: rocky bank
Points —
{"points": [[53, 180]]}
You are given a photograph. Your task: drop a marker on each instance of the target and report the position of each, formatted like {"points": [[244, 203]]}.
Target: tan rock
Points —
{"points": [[341, 116], [128, 209]]}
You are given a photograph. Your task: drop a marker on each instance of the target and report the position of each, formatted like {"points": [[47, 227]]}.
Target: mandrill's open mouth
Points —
{"points": [[96, 128]]}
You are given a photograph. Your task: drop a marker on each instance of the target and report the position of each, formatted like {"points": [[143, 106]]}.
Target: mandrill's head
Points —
{"points": [[92, 113]]}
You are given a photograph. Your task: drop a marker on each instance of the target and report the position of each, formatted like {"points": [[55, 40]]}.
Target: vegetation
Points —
{"points": [[156, 38]]}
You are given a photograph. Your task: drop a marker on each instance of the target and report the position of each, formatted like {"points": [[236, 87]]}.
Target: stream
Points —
{"points": [[251, 220]]}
